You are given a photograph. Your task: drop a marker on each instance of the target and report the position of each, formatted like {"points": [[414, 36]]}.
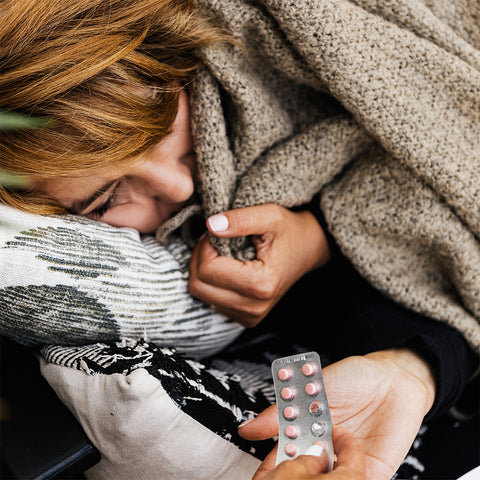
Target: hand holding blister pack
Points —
{"points": [[303, 413]]}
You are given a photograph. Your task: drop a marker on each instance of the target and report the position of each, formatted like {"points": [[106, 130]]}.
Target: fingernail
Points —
{"points": [[315, 450], [218, 223], [246, 422]]}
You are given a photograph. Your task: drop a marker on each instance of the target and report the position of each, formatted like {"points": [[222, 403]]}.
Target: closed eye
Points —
{"points": [[109, 202], [100, 211]]}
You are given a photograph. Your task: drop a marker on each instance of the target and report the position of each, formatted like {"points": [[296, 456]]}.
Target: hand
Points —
{"points": [[350, 463], [288, 245], [381, 398]]}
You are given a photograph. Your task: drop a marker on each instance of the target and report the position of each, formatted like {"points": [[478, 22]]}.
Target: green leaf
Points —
{"points": [[17, 121], [11, 180]]}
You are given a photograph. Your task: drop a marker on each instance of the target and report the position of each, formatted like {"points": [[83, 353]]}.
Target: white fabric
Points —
{"points": [[471, 475], [68, 280], [140, 433]]}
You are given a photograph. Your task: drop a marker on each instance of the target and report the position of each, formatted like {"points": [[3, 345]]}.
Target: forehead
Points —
{"points": [[67, 190]]}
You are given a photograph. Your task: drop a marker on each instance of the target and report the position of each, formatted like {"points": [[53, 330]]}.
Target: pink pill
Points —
{"points": [[290, 449], [290, 413], [311, 388], [308, 369], [284, 374], [291, 432], [287, 393]]}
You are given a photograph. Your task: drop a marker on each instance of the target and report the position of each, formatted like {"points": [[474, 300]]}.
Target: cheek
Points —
{"points": [[144, 217]]}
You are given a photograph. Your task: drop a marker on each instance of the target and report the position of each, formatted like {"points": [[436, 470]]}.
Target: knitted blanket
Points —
{"points": [[374, 104]]}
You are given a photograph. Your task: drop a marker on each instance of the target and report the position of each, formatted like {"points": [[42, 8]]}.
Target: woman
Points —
{"points": [[120, 150]]}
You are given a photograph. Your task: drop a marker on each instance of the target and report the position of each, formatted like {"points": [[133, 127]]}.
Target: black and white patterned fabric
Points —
{"points": [[68, 280], [113, 389], [219, 393], [70, 283], [228, 392]]}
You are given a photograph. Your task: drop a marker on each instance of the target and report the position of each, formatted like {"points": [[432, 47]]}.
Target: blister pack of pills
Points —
{"points": [[303, 413]]}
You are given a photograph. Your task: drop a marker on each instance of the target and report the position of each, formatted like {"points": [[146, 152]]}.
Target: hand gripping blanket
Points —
{"points": [[375, 104]]}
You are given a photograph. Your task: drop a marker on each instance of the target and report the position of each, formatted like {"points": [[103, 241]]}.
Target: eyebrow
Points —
{"points": [[80, 205]]}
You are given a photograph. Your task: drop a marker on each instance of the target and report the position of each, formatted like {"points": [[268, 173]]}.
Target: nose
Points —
{"points": [[148, 180], [168, 180]]}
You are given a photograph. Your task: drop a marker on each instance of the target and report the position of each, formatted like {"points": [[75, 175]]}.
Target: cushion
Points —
{"points": [[154, 413], [70, 283], [69, 280]]}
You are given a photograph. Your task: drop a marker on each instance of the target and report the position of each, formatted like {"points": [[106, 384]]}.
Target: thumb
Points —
{"points": [[350, 456], [244, 221], [263, 426], [309, 464]]}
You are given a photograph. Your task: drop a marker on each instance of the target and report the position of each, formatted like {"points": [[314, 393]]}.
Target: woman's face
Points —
{"points": [[155, 186]]}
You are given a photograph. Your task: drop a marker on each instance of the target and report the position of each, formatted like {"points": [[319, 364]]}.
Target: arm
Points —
{"points": [[372, 322], [389, 341], [368, 322], [418, 365], [395, 361], [381, 398]]}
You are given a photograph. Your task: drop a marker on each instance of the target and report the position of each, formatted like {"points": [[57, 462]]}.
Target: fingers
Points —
{"points": [[247, 278], [234, 306], [246, 221], [312, 465], [350, 456], [223, 281], [350, 463], [241, 290], [263, 426], [305, 467], [267, 465]]}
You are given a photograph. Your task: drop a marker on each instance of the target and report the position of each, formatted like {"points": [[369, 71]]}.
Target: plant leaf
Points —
{"points": [[17, 121], [11, 180]]}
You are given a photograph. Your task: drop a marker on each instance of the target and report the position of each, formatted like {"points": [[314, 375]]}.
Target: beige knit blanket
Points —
{"points": [[374, 103]]}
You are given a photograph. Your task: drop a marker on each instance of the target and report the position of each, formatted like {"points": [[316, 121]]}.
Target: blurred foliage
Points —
{"points": [[11, 180], [17, 121]]}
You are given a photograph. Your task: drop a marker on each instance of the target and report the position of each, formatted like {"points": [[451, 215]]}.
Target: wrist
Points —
{"points": [[414, 367], [316, 242]]}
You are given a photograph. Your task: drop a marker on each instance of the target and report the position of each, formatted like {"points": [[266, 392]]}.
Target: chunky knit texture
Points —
{"points": [[375, 104]]}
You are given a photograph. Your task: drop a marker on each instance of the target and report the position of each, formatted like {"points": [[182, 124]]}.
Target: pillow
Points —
{"points": [[69, 280], [155, 414]]}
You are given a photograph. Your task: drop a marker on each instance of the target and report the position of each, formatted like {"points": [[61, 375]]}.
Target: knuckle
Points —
{"points": [[276, 213], [240, 220], [194, 287], [249, 322], [286, 468], [201, 271], [205, 271], [256, 311], [265, 289], [251, 315]]}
